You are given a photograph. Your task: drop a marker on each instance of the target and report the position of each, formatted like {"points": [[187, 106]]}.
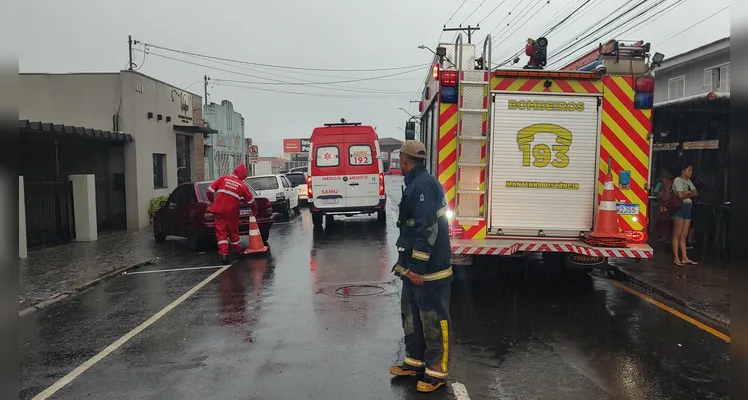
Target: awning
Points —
{"points": [[73, 131], [697, 101], [194, 129]]}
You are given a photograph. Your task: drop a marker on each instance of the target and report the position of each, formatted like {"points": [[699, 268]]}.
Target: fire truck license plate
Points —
{"points": [[628, 209]]}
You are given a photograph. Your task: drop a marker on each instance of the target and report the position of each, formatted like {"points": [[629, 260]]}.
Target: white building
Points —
{"points": [[165, 124], [225, 150]]}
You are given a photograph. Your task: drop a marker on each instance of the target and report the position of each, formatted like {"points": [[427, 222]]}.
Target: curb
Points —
{"points": [[61, 296], [622, 275]]}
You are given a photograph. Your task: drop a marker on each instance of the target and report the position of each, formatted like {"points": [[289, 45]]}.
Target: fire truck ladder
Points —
{"points": [[473, 114]]}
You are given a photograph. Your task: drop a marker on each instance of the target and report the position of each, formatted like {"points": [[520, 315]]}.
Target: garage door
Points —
{"points": [[544, 152]]}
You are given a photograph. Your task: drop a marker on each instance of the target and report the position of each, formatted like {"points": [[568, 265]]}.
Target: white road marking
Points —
{"points": [[460, 391], [129, 335], [173, 269]]}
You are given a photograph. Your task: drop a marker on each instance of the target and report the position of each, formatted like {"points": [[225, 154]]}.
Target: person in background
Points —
{"points": [[664, 222], [686, 191], [226, 194]]}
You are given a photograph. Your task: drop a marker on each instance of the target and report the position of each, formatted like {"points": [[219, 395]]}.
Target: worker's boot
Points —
{"points": [[406, 370], [225, 259], [429, 384], [237, 253]]}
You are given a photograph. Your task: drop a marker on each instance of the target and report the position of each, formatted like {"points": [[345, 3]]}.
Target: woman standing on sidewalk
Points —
{"points": [[686, 191]]}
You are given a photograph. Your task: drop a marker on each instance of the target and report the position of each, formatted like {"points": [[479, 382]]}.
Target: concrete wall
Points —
{"points": [[141, 95], [89, 100], [93, 100], [228, 144], [693, 70]]}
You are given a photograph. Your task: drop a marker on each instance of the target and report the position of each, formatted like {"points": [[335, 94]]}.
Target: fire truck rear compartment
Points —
{"points": [[543, 173]]}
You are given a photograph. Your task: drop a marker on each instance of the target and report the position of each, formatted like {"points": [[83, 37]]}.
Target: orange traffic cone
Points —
{"points": [[255, 239], [607, 232]]}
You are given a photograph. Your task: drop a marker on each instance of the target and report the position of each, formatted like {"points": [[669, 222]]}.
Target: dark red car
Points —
{"points": [[185, 214]]}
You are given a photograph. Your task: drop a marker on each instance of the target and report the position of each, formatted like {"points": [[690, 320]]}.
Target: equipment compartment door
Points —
{"points": [[544, 154]]}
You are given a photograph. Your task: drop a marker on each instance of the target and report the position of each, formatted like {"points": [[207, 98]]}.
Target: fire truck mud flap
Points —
{"points": [[462, 259]]}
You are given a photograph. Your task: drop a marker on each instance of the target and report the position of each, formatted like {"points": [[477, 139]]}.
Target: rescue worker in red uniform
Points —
{"points": [[226, 194]]}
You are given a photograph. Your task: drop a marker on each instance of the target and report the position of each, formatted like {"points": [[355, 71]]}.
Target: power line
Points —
{"points": [[373, 91], [605, 25], [528, 7], [490, 33], [473, 12], [710, 16], [492, 11], [456, 11], [312, 84], [519, 18], [663, 12], [278, 66], [325, 95], [608, 32], [558, 23]]}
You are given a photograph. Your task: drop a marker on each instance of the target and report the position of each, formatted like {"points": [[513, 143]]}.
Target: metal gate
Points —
{"points": [[110, 204], [49, 213]]}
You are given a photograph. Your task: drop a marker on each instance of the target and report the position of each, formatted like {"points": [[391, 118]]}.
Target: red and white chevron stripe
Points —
{"points": [[505, 249]]}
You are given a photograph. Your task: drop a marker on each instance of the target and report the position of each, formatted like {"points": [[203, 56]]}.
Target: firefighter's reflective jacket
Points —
{"points": [[423, 244]]}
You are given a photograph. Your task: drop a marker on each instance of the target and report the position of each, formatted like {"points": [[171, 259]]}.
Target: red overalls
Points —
{"points": [[229, 191]]}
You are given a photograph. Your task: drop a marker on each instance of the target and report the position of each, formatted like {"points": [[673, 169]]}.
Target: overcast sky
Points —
{"points": [[90, 36]]}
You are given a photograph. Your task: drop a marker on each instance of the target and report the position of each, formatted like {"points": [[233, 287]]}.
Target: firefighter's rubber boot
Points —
{"points": [[225, 259], [406, 370], [428, 384]]}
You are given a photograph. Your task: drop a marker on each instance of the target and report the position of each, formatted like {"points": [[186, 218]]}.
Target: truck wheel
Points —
{"points": [[382, 217], [316, 219]]}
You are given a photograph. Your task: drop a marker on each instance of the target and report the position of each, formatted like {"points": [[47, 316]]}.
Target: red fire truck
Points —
{"points": [[523, 154]]}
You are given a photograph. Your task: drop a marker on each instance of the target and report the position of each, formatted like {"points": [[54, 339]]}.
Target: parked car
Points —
{"points": [[283, 196], [303, 169], [186, 214], [299, 181]]}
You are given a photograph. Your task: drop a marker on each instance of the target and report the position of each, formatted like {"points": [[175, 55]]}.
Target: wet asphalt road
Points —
{"points": [[295, 325]]}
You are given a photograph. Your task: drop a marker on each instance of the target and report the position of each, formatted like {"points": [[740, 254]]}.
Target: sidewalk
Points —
{"points": [[55, 272], [703, 289]]}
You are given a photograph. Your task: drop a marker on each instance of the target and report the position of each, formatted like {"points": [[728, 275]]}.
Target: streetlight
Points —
{"points": [[406, 111], [440, 52]]}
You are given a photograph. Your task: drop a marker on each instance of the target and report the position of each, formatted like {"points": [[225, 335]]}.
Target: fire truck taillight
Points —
{"points": [[435, 72], [448, 79], [448, 92], [456, 231], [644, 93]]}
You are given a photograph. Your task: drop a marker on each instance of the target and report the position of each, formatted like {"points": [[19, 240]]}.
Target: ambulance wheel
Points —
{"points": [[381, 217], [329, 219], [316, 219]]}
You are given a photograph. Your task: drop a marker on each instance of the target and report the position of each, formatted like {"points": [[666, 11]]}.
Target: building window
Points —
{"points": [[676, 88], [159, 171], [717, 79]]}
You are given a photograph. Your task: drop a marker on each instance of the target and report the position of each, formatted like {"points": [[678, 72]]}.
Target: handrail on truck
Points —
{"points": [[458, 53], [487, 54]]}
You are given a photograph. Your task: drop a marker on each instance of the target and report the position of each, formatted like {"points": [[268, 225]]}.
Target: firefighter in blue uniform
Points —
{"points": [[424, 265]]}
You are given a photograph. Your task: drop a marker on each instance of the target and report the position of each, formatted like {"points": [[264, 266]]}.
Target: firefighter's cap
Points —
{"points": [[414, 148]]}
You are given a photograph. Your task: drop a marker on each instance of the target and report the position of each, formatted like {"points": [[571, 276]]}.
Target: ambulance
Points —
{"points": [[523, 153], [346, 173]]}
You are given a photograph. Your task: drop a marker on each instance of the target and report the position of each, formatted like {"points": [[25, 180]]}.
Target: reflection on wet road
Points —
{"points": [[320, 319]]}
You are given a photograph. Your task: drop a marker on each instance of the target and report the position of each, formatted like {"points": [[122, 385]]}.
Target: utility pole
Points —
{"points": [[129, 51], [469, 30], [206, 79]]}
